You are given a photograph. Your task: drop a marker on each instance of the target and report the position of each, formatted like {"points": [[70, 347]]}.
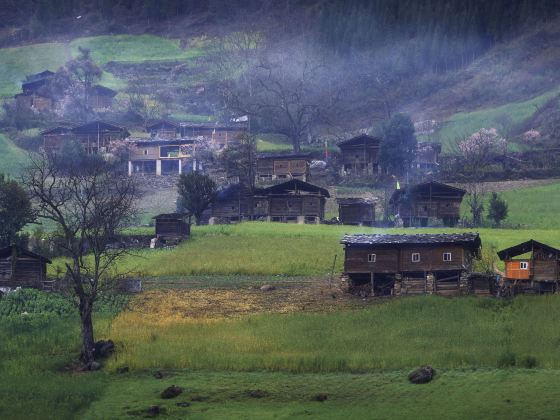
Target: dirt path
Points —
{"points": [[219, 302]]}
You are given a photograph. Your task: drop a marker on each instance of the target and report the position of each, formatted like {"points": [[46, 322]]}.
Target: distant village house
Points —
{"points": [[360, 155], [283, 166], [422, 204], [95, 137]]}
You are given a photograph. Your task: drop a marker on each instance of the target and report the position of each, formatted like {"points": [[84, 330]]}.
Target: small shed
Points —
{"points": [[532, 267], [20, 267], [356, 211], [172, 226], [101, 97]]}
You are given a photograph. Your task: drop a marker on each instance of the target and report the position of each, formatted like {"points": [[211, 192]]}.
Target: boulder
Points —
{"points": [[155, 410], [257, 393], [94, 366], [267, 288], [122, 369], [422, 375], [171, 392], [320, 397], [158, 374], [104, 349]]}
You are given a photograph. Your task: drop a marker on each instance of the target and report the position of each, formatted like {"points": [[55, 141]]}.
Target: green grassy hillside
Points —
{"points": [[534, 207], [17, 62], [12, 158], [460, 125], [260, 249]]}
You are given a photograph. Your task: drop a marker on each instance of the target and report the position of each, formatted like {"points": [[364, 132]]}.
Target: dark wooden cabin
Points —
{"points": [[236, 203], [35, 92], [94, 136], [418, 204], [293, 201], [174, 227], [22, 268], [163, 129], [100, 97], [283, 166], [356, 211], [360, 155], [410, 264], [296, 201], [535, 270]]}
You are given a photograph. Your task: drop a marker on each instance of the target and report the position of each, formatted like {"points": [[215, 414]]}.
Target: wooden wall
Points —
{"points": [[396, 260]]}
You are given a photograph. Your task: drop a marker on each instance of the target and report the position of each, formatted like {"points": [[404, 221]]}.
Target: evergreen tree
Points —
{"points": [[398, 146], [196, 192], [497, 209]]}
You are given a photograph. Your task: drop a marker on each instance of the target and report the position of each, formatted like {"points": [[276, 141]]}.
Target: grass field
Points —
{"points": [[12, 159], [258, 248], [534, 207], [17, 62], [454, 394]]}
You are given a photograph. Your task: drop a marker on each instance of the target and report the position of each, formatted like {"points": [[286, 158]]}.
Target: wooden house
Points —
{"points": [[420, 204], [216, 134], [163, 129], [94, 136], [531, 267], [410, 264], [36, 93], [236, 203], [360, 155], [356, 211], [100, 97], [160, 156], [283, 166], [296, 201], [22, 268], [293, 201], [174, 227]]}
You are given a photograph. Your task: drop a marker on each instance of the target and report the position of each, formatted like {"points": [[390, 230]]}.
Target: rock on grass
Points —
{"points": [[422, 375], [171, 392]]}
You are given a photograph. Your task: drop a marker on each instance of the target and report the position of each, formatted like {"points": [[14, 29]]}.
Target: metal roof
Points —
{"points": [[525, 247]]}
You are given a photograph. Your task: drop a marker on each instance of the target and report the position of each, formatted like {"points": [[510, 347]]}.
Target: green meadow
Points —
{"points": [[258, 248], [463, 124], [17, 62], [13, 158]]}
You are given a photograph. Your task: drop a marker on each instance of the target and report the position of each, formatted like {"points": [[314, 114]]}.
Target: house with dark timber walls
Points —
{"points": [[531, 267], [410, 264], [418, 205]]}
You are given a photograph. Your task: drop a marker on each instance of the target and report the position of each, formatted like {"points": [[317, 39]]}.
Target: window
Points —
{"points": [[145, 151], [524, 265], [371, 257], [447, 256], [415, 257]]}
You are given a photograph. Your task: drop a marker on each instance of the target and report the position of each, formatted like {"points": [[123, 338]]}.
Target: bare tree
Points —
{"points": [[290, 94], [478, 152], [89, 202]]}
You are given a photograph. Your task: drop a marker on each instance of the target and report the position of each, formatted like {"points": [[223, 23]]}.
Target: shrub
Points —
{"points": [[528, 362], [506, 360]]}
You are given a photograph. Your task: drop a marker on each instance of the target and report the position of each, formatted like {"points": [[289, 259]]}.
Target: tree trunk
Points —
{"points": [[87, 355], [295, 145]]}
